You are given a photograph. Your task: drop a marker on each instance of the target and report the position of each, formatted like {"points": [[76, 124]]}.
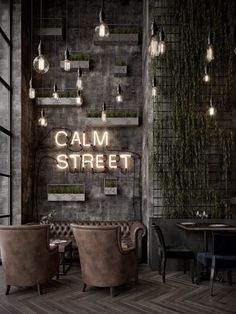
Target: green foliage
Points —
{"points": [[120, 62], [77, 57], [110, 183], [123, 30], [113, 114], [64, 94], [66, 189], [185, 137]]}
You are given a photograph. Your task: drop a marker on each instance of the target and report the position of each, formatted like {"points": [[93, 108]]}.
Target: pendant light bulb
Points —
{"points": [[206, 77], [31, 90], [153, 46], [42, 120], [79, 82], [119, 96], [104, 113], [79, 98], [210, 56], [154, 87], [211, 110], [102, 30], [40, 63], [66, 60], [55, 92], [161, 43]]}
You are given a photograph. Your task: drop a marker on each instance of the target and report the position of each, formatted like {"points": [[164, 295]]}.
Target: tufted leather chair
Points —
{"points": [[131, 232], [103, 261], [26, 256]]}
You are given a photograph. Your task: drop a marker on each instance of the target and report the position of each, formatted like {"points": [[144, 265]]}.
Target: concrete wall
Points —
{"points": [[99, 85]]}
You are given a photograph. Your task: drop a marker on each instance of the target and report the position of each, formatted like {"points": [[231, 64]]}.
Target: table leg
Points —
{"points": [[205, 241]]}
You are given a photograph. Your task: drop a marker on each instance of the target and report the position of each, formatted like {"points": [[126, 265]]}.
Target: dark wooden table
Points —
{"points": [[64, 246], [206, 228]]}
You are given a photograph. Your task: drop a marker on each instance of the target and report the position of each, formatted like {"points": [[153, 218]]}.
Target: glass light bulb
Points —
{"points": [[161, 48], [79, 83], [41, 64], [79, 100], [153, 46], [31, 93], [119, 98], [102, 30], [104, 116], [67, 65], [211, 111], [154, 91], [55, 95], [206, 78], [43, 121], [210, 53]]}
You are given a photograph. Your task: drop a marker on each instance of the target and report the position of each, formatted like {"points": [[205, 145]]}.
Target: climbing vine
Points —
{"points": [[192, 150]]}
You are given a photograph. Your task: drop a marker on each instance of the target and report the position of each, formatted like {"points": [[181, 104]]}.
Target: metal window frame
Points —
{"points": [[2, 129]]}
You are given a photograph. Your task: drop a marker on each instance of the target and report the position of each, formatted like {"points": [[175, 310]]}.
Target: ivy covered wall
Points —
{"points": [[192, 149]]}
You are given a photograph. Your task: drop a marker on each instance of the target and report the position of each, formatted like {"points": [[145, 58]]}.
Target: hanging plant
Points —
{"points": [[187, 141]]}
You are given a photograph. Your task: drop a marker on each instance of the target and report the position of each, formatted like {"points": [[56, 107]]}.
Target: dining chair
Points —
{"points": [[223, 256], [172, 252]]}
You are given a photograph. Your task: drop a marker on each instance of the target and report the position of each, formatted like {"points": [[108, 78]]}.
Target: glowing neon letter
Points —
{"points": [[99, 161], [112, 161], [84, 140], [125, 156], [97, 140], [74, 156], [88, 161], [63, 160], [56, 138], [75, 138]]}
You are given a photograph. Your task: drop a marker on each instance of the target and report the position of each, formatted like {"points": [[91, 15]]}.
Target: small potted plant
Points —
{"points": [[114, 119], [110, 186], [120, 68], [66, 192], [126, 34], [65, 98]]}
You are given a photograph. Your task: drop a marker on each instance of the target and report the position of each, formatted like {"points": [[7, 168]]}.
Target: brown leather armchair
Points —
{"points": [[27, 258], [103, 261]]}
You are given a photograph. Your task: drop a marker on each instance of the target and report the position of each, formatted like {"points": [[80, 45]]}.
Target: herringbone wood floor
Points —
{"points": [[178, 295]]}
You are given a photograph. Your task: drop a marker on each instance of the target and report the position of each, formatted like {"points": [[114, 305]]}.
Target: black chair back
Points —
{"points": [[224, 244], [159, 236]]}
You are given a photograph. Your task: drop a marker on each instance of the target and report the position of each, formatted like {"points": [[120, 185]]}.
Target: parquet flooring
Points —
{"points": [[178, 295]]}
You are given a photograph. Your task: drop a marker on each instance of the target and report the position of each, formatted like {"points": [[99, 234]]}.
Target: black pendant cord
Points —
{"points": [[40, 21], [66, 23], [31, 39]]}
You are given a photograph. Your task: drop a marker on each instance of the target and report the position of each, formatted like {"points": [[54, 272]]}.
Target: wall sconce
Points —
{"points": [[42, 120], [154, 87], [206, 77], [153, 46], [104, 113], [67, 61], [79, 82], [102, 30], [79, 98], [55, 92], [161, 43], [210, 50], [211, 110], [31, 90], [119, 97]]}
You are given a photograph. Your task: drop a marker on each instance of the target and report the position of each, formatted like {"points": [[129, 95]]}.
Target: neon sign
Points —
{"points": [[80, 161]]}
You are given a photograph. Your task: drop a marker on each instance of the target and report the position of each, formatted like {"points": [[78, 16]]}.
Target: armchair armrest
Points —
{"points": [[137, 230]]}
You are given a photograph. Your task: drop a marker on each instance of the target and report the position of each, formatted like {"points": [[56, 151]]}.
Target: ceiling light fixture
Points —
{"points": [[104, 113], [153, 46], [79, 98], [66, 54], [211, 110], [31, 89], [154, 87], [206, 77], [119, 96], [102, 30], [210, 56], [161, 43], [79, 82], [40, 63], [55, 92]]}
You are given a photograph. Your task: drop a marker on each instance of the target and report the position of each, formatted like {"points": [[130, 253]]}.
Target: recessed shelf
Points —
{"points": [[74, 65], [50, 101], [114, 39], [66, 192], [113, 122], [120, 70]]}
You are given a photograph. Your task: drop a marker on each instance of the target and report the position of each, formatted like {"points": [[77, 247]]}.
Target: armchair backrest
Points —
{"points": [[159, 236], [224, 244]]}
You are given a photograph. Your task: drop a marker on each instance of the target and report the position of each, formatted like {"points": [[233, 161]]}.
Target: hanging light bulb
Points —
{"points": [[153, 46], [161, 43], [210, 50], [102, 29], [67, 61], [79, 82], [206, 77], [79, 98], [40, 63], [119, 97], [42, 120], [104, 113], [154, 87], [31, 90], [211, 110], [55, 92]]}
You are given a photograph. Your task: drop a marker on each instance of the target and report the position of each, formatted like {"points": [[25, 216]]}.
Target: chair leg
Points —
{"points": [[163, 269], [84, 287], [213, 264], [192, 266], [136, 278], [112, 291], [198, 273], [160, 263], [39, 289], [8, 287], [229, 276]]}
